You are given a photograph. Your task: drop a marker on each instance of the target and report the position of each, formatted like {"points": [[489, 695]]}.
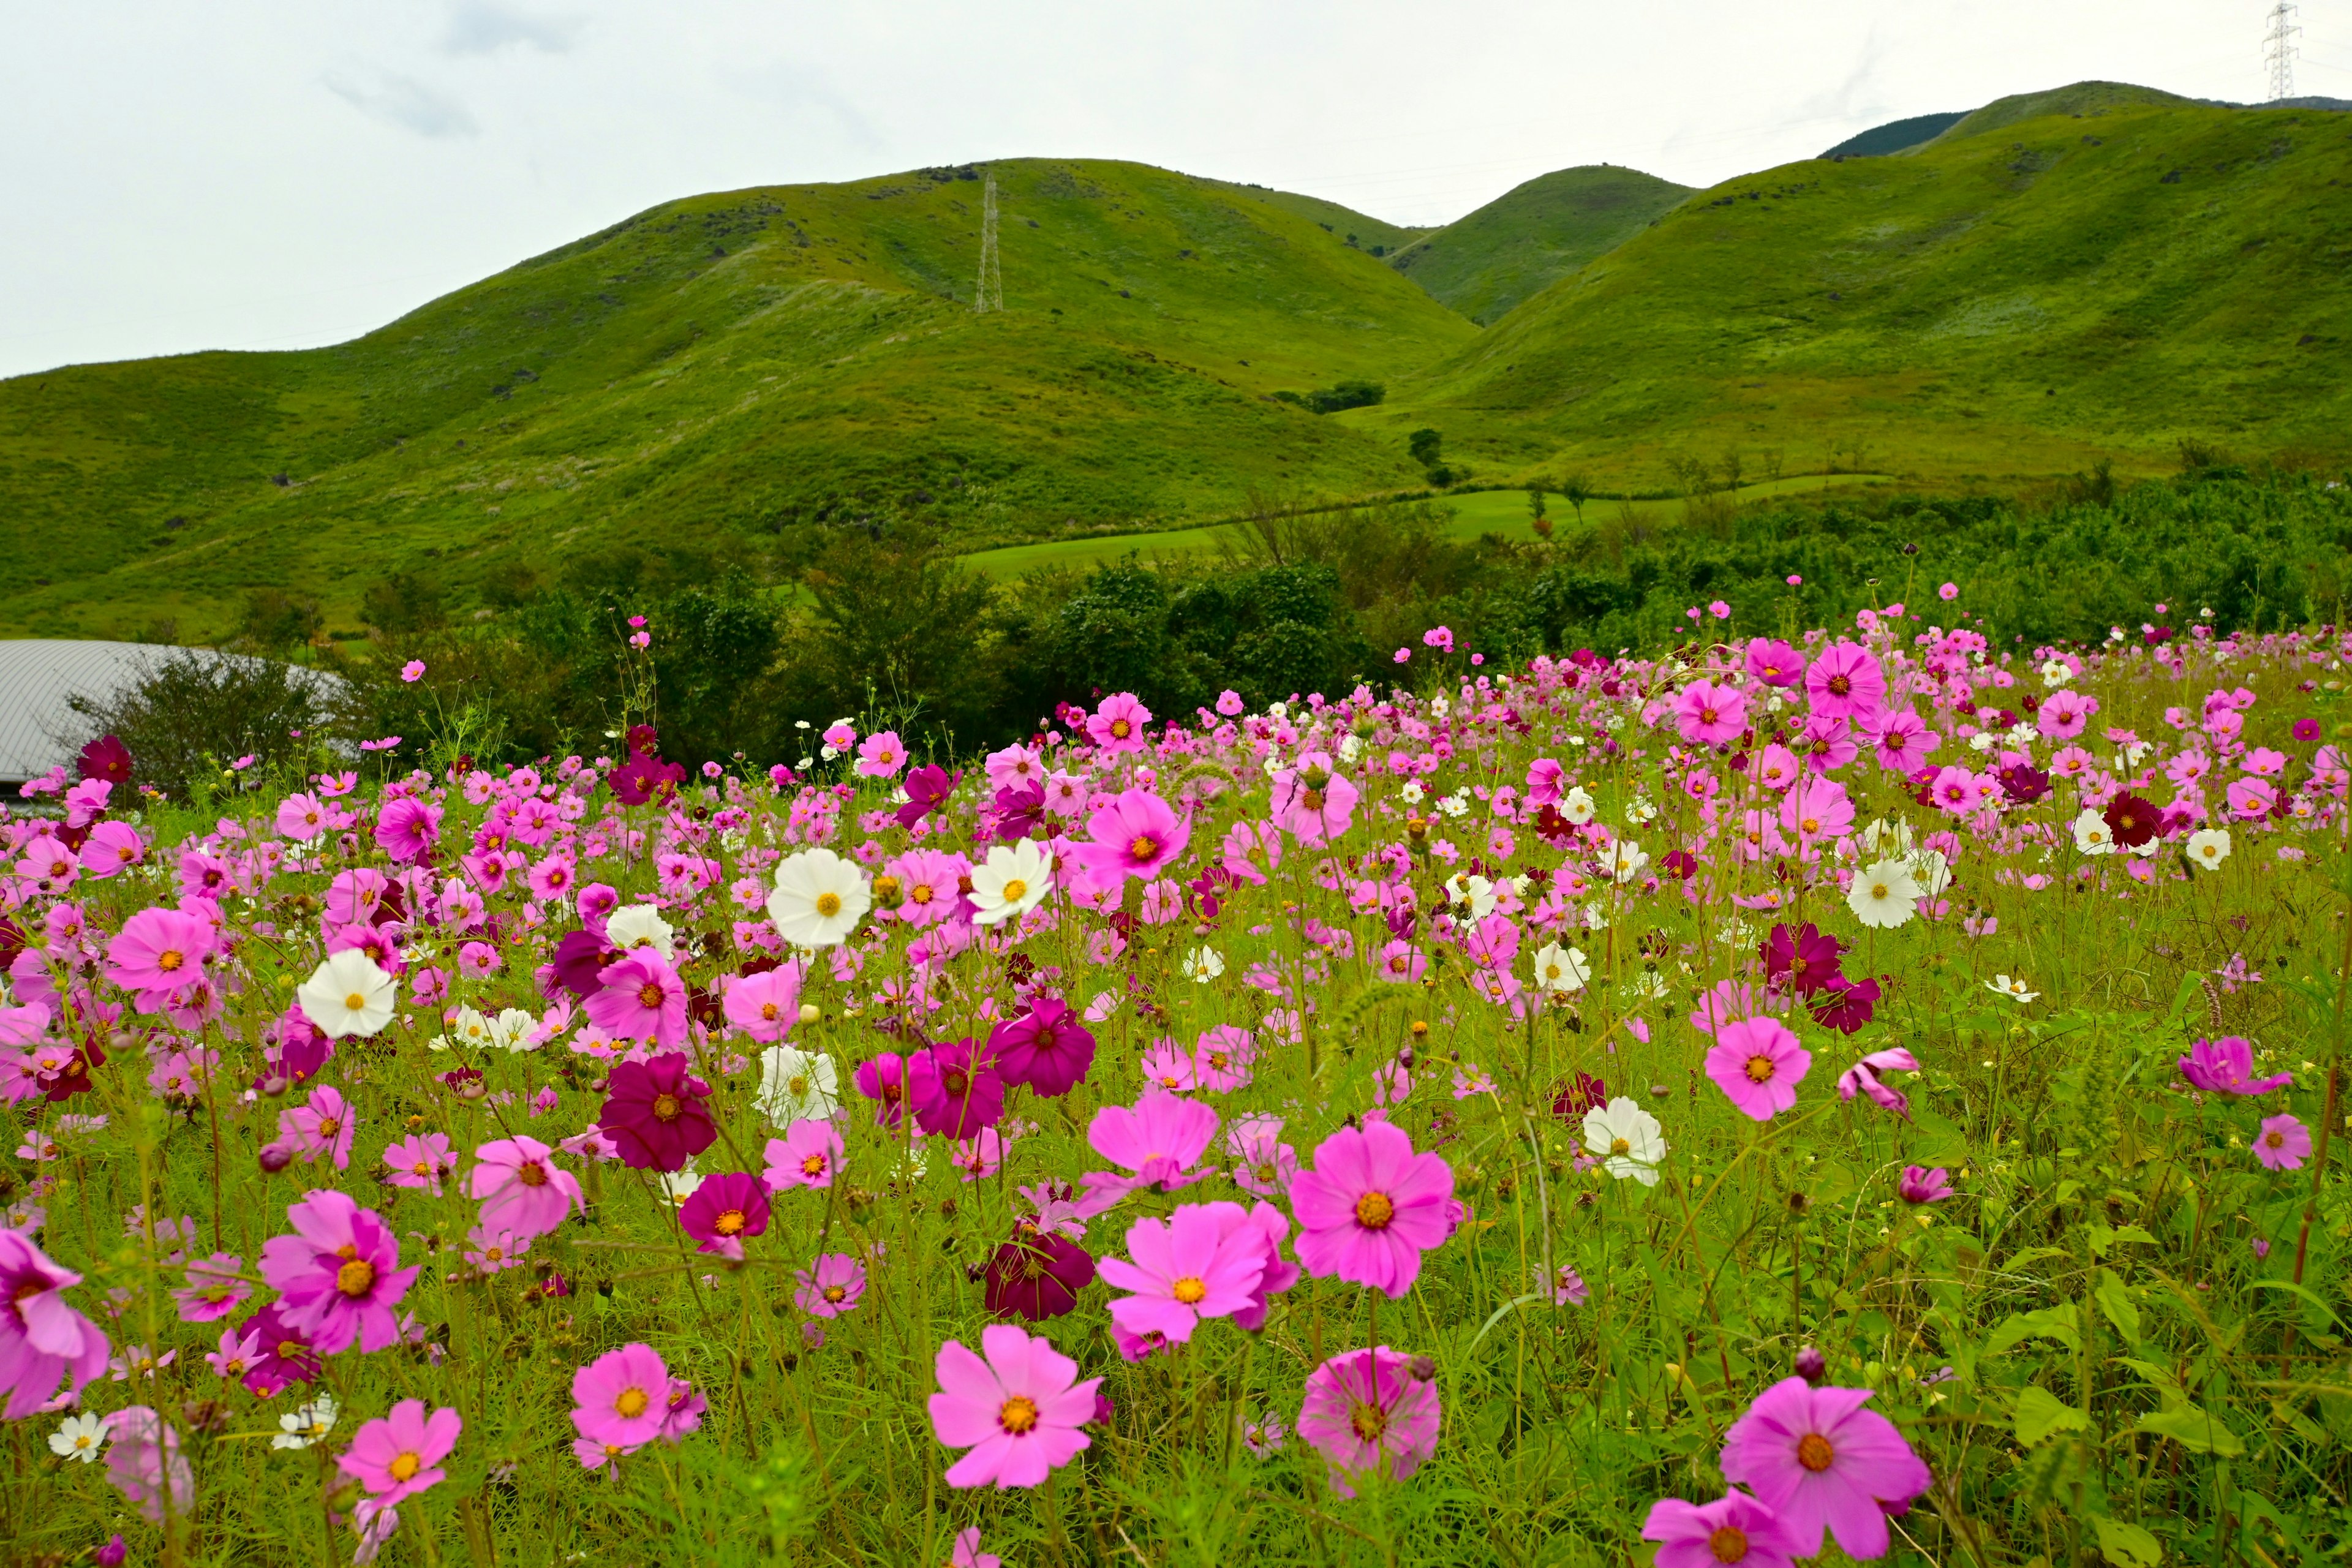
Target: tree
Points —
{"points": [[1427, 447], [1535, 500], [189, 715], [277, 622], [402, 603], [1576, 490]]}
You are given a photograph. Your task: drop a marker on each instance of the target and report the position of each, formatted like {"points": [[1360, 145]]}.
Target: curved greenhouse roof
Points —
{"points": [[37, 677]]}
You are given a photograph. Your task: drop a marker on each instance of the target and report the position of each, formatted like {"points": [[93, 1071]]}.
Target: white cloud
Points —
{"points": [[482, 28], [406, 102]]}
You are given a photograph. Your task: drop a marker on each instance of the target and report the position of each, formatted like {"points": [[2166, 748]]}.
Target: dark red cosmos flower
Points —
{"points": [[642, 777], [580, 957], [1804, 960], [1019, 811], [1037, 1274], [286, 1356], [2306, 729], [643, 739], [74, 1077], [928, 788], [1585, 1093], [106, 758], [1045, 1047], [1845, 1004], [1681, 862], [955, 1091], [653, 1113], [2132, 820], [12, 940], [722, 1211], [2024, 782], [301, 1049], [1553, 827]]}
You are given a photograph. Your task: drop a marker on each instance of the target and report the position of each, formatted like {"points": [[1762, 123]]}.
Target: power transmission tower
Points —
{"points": [[989, 295], [2278, 50]]}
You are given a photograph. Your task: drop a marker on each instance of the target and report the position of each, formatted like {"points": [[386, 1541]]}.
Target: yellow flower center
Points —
{"points": [[355, 1003], [666, 1108], [1373, 1211], [1369, 1421], [1728, 1544], [1759, 1070], [404, 1465], [650, 994], [812, 1166], [836, 1294], [356, 1277], [169, 960], [2274, 1139], [1144, 847], [1814, 1452], [533, 1174], [828, 904], [1119, 728], [631, 1404], [1621, 1146], [1015, 889], [730, 1223], [1190, 1292], [1019, 1414]]}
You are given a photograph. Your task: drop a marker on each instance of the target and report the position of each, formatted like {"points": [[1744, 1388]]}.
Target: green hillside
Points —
{"points": [[1516, 245], [2014, 304], [711, 373], [1895, 136], [1369, 234], [2082, 97]]}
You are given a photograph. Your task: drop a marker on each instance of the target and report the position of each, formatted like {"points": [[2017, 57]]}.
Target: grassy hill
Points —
{"points": [[1895, 136], [2075, 100], [1373, 236], [2010, 302], [710, 373], [1485, 263]]}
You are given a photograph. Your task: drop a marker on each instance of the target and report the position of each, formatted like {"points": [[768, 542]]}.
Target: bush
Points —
{"points": [[194, 711]]}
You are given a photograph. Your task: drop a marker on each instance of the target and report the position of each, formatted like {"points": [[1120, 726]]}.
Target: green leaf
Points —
{"points": [[2194, 1429], [2127, 1545], [2059, 1323], [2192, 987], [2114, 1300], [2039, 1414], [2304, 1292]]}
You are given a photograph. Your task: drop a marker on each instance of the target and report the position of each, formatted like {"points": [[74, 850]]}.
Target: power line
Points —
{"points": [[990, 294], [2278, 50]]}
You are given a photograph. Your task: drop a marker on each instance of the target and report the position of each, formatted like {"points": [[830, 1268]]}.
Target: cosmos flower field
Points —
{"points": [[1852, 1094]]}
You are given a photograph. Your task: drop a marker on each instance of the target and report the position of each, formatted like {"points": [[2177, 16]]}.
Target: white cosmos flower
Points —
{"points": [[1412, 792], [2092, 834], [679, 1185], [1012, 880], [1576, 806], [2015, 990], [819, 898], [639, 925], [2209, 847], [306, 1425], [1884, 895], [513, 1028], [80, 1438], [797, 1086], [1561, 969], [2056, 673], [1475, 891], [1931, 871], [348, 995], [1626, 1139], [1623, 860], [1203, 965], [1893, 837]]}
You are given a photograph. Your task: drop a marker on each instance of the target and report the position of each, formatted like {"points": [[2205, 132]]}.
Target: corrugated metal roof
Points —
{"points": [[37, 677]]}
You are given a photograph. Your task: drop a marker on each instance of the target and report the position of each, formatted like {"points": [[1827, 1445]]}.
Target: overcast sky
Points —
{"points": [[277, 174]]}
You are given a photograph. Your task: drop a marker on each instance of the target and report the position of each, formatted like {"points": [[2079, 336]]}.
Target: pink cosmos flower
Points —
{"points": [[322, 1124], [807, 1155], [41, 1338], [1136, 834], [1918, 1185], [212, 1290], [420, 1160], [1021, 1412], [112, 848], [1312, 801], [2283, 1144], [1774, 662], [1262, 1163], [337, 1277], [884, 1081], [640, 998], [766, 1005], [654, 1115], [881, 756], [300, 816], [724, 1210], [1368, 1412], [1222, 1059], [399, 1455], [143, 1460], [158, 950], [1186, 1268], [968, 1554], [622, 1398], [2251, 799], [494, 1251], [1846, 683], [1159, 1140], [407, 828], [1119, 724], [239, 1350], [1818, 1459], [520, 1187], [1371, 1206], [1901, 740], [1758, 1064], [1047, 1048], [1734, 1530], [1817, 809], [1169, 1066], [2226, 1065], [1863, 1078], [1711, 715], [831, 1287], [955, 1090], [2063, 714]]}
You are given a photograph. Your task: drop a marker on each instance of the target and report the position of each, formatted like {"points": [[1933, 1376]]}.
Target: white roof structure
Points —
{"points": [[37, 677]]}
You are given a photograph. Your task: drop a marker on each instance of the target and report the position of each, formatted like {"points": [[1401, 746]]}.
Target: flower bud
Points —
{"points": [[275, 1157], [810, 1012], [1422, 1368], [1811, 1365], [1404, 1057]]}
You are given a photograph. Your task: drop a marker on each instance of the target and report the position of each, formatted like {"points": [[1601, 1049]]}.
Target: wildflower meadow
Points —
{"points": [[1849, 1094]]}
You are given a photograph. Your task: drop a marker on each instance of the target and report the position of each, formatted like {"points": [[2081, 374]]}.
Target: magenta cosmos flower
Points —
{"points": [[955, 1090], [1774, 662], [2226, 1065], [2283, 1144], [622, 1398], [766, 1005], [143, 1460], [1137, 835], [1734, 1532], [1366, 1412], [884, 1081], [1158, 1140], [1118, 725], [158, 951], [1312, 801], [1846, 683], [420, 1160], [400, 1455], [1047, 1048], [653, 1113], [1865, 1078], [212, 1290], [1758, 1064], [1186, 1268], [520, 1187], [337, 1277], [1918, 1185], [807, 1155], [407, 828], [640, 998], [1710, 715], [722, 1211], [1371, 1207], [834, 1286], [41, 1338], [1021, 1411], [1818, 1460]]}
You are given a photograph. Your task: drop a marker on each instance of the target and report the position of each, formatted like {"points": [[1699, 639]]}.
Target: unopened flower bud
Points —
{"points": [[275, 1157], [1404, 1057], [1811, 1365], [1422, 1368], [273, 1086], [810, 1012]]}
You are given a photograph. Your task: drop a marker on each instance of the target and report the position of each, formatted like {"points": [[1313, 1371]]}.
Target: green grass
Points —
{"points": [[1533, 234], [713, 372], [1992, 306], [1345, 223]]}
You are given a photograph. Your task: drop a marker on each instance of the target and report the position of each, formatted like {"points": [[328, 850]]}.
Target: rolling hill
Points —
{"points": [[1485, 264], [1895, 136], [715, 370], [2020, 300]]}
